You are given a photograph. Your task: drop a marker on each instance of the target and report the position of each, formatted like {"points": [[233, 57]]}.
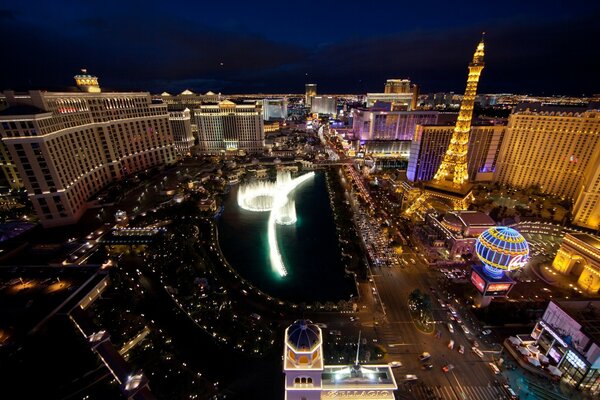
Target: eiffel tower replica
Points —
{"points": [[451, 181]]}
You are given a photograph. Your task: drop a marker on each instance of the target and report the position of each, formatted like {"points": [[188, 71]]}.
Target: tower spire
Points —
{"points": [[454, 164], [357, 349]]}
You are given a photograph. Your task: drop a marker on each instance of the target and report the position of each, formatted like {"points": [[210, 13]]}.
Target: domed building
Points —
{"points": [[307, 378], [499, 249]]}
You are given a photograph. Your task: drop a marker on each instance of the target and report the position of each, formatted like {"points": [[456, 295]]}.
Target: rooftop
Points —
{"points": [[588, 239], [31, 294], [361, 377], [21, 110]]}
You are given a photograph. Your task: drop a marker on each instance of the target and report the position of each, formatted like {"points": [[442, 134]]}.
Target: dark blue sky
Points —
{"points": [[548, 47]]}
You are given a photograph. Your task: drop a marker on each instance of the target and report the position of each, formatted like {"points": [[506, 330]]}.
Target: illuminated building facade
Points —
{"points": [[430, 143], [454, 165], [556, 149], [459, 230], [275, 109], [403, 86], [181, 127], [324, 105], [311, 91], [398, 86], [399, 101], [307, 378], [10, 175], [369, 124], [579, 255], [586, 210], [68, 146], [229, 127], [549, 149], [568, 334]]}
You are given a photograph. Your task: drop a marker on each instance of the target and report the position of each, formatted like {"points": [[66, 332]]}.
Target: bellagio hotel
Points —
{"points": [[557, 149], [68, 146]]}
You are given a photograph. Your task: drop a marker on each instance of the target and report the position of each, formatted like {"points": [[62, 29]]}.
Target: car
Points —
{"points": [[451, 344], [442, 304], [465, 329], [427, 366], [450, 327], [510, 391], [458, 320], [450, 316], [494, 368], [410, 377], [424, 356], [395, 364], [447, 367], [486, 332], [478, 352], [461, 349]]}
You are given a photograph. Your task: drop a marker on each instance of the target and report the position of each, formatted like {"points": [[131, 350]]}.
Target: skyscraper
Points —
{"points": [[68, 146], [370, 124], [230, 127], [454, 165], [397, 86], [556, 149], [181, 127], [311, 91], [324, 105]]}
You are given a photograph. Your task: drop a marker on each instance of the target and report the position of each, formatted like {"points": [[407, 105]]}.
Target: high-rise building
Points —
{"points": [[324, 105], [181, 127], [430, 143], [274, 109], [556, 149], [311, 91], [586, 210], [68, 146], [398, 86], [370, 124], [229, 127], [403, 86], [454, 165], [398, 101]]}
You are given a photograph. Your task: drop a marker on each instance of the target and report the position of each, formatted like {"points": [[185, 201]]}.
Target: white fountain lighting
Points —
{"points": [[273, 196]]}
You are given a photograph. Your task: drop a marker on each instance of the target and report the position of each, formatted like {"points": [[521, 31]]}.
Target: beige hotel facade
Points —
{"points": [[68, 146], [559, 151]]}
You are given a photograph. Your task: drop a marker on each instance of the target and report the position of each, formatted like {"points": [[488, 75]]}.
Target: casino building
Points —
{"points": [[307, 378]]}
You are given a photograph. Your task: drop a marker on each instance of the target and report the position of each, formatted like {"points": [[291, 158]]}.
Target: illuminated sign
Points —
{"points": [[477, 281], [554, 334], [498, 287], [358, 394], [555, 355], [518, 262]]}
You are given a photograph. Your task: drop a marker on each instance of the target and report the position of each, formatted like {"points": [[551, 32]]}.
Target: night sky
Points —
{"points": [[539, 47]]}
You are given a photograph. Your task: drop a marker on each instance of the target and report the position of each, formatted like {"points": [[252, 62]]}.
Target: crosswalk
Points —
{"points": [[446, 392]]}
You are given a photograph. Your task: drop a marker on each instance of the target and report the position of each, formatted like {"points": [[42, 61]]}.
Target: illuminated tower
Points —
{"points": [[454, 165], [87, 83], [303, 361]]}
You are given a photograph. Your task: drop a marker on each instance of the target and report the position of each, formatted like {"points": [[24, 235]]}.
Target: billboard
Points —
{"points": [[477, 281]]}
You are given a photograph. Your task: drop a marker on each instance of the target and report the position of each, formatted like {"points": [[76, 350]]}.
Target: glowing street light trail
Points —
{"points": [[279, 194]]}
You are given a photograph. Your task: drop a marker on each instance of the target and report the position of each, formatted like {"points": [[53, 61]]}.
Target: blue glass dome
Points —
{"points": [[303, 335], [501, 249]]}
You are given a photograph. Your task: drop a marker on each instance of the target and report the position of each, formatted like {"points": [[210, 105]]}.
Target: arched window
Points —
{"points": [[309, 381]]}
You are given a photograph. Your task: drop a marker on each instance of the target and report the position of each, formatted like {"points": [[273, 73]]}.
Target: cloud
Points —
{"points": [[173, 52]]}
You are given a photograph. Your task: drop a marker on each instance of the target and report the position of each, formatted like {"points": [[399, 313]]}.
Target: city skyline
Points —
{"points": [[272, 49]]}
